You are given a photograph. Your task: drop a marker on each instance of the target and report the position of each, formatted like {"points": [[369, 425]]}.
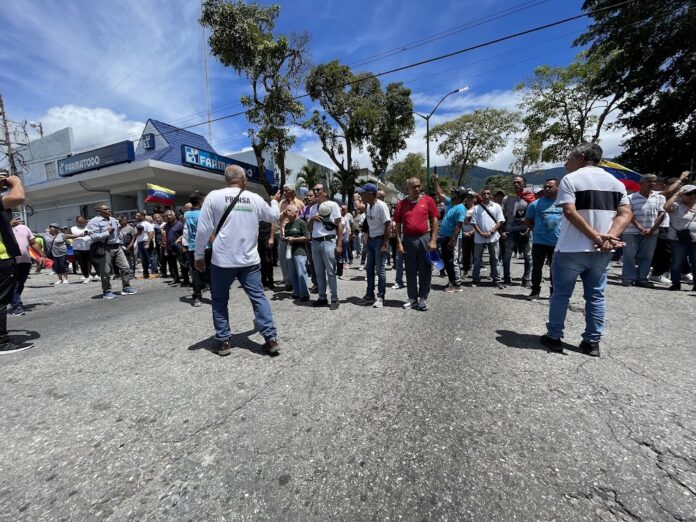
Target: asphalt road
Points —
{"points": [[120, 411]]}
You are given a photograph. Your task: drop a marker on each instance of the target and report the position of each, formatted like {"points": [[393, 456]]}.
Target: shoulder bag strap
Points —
{"points": [[227, 213], [489, 213]]}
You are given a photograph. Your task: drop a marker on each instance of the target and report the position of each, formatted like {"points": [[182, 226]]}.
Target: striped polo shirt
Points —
{"points": [[597, 195], [645, 210]]}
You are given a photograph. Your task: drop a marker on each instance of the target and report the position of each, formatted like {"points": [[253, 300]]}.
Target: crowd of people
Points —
{"points": [[576, 226]]}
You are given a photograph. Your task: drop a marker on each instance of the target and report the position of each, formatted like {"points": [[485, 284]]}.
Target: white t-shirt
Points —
{"points": [[377, 217], [467, 226], [236, 244], [318, 228], [80, 243], [147, 227], [347, 224], [597, 195], [481, 218], [645, 210]]}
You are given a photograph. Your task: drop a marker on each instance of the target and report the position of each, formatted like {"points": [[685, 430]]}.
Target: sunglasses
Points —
{"points": [[316, 190]]}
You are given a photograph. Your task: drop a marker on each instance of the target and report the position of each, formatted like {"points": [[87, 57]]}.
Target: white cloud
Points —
{"points": [[91, 127]]}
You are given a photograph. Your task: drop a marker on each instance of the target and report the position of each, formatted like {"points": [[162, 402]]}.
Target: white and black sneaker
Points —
{"points": [[12, 347], [422, 305], [379, 303], [411, 303]]}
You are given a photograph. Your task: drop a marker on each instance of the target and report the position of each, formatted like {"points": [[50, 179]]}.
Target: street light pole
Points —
{"points": [[427, 133]]}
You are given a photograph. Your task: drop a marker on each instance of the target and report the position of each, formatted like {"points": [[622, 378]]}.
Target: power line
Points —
{"points": [[421, 62]]}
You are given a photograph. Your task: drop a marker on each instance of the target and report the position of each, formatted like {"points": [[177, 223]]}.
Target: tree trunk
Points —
{"points": [[258, 152], [280, 163]]}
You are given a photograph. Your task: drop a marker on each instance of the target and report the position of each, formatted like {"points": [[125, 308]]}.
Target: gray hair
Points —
{"points": [[590, 152], [234, 174]]}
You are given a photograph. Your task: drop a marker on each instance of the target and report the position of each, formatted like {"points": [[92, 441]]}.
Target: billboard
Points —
{"points": [[206, 160], [96, 159]]}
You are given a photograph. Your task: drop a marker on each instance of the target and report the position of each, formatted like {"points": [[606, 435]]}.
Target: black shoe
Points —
{"points": [[500, 286], [304, 298], [197, 303], [645, 284], [591, 349], [175, 282], [526, 284], [508, 282], [534, 296], [334, 305], [314, 290], [271, 346], [675, 288], [554, 345], [288, 288], [223, 348], [320, 303], [186, 283], [12, 347]]}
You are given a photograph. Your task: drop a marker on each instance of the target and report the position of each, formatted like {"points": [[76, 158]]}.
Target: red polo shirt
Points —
{"points": [[415, 216]]}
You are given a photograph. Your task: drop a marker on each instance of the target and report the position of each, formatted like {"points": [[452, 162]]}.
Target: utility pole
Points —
{"points": [[7, 142]]}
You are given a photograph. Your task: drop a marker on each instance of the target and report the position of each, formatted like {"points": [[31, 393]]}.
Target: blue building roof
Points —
{"points": [[175, 137]]}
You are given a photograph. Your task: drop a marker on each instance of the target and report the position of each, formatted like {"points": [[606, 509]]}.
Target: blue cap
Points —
{"points": [[433, 257], [368, 187]]}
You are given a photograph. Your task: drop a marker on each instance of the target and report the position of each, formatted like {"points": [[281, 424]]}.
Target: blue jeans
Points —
{"points": [[144, 258], [324, 257], [250, 278], [522, 242], [592, 267], [297, 270], [376, 260], [639, 250], [681, 251], [478, 257]]}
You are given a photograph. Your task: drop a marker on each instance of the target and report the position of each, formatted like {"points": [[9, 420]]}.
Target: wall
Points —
{"points": [[63, 212], [45, 150], [160, 141]]}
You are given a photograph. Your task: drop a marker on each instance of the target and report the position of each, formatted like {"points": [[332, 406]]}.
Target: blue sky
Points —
{"points": [[105, 67]]}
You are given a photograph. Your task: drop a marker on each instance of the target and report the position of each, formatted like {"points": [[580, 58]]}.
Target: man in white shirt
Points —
{"points": [[379, 232], [146, 233], [324, 230], [486, 218], [596, 211], [235, 254], [640, 236]]}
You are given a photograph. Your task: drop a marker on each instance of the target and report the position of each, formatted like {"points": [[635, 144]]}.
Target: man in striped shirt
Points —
{"points": [[596, 211]]}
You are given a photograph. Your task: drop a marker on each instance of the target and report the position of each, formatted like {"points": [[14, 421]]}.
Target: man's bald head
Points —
{"points": [[235, 175]]}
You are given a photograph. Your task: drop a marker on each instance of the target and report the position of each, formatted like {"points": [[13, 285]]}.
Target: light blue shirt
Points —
{"points": [[547, 221], [98, 230]]}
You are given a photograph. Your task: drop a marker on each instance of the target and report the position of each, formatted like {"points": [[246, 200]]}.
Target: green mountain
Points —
{"points": [[477, 176]]}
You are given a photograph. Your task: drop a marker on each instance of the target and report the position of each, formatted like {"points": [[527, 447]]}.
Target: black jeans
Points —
{"points": [[199, 279], [83, 259], [540, 254], [447, 254], [467, 253], [175, 263], [7, 286], [162, 260], [265, 253]]}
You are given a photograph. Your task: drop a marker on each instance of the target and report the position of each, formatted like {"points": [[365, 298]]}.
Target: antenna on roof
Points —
{"points": [[204, 48]]}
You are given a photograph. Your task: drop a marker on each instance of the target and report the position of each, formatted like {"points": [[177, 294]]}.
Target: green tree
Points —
{"points": [[650, 59], [561, 109], [241, 37], [413, 165], [474, 138], [527, 153], [309, 176], [354, 116], [500, 182], [394, 124]]}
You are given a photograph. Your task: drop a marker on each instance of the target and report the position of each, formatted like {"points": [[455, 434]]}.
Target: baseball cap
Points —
{"points": [[460, 191], [368, 187], [433, 257], [687, 188], [57, 225]]}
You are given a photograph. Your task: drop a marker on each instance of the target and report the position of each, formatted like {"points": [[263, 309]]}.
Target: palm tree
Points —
{"points": [[308, 176]]}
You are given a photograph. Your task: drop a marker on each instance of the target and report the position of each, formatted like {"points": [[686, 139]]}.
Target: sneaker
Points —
{"points": [[688, 278], [361, 267], [507, 282], [449, 288], [272, 346], [645, 284], [16, 312], [458, 288], [660, 279], [109, 295], [591, 349], [85, 280], [96, 278], [367, 300], [12, 347], [422, 305], [223, 348], [534, 296], [304, 298], [526, 284], [554, 345], [411, 303], [379, 303], [500, 286], [57, 282], [320, 303], [474, 284], [314, 290], [129, 290], [397, 286], [197, 303], [333, 305]]}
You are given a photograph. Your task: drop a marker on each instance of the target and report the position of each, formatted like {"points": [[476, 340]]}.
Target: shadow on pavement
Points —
{"points": [[24, 336], [526, 341], [237, 341], [518, 297], [189, 300]]}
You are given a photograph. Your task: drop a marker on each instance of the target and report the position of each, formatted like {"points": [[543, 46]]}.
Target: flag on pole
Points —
{"points": [[161, 195], [625, 175]]}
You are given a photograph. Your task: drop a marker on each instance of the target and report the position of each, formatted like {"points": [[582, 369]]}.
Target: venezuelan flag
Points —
{"points": [[161, 195], [625, 175]]}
